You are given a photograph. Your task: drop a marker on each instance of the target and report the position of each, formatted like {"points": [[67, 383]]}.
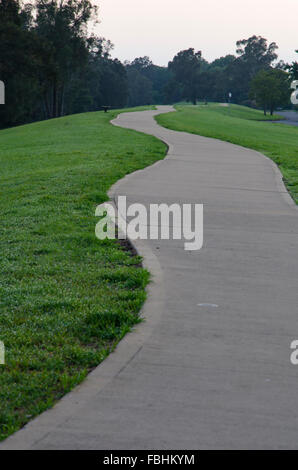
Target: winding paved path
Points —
{"points": [[196, 377], [291, 118]]}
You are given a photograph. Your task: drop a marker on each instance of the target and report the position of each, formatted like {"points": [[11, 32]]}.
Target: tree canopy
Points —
{"points": [[186, 67], [270, 88], [52, 66], [293, 69]]}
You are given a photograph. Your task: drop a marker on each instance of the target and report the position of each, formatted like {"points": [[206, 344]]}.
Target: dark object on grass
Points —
{"points": [[106, 108]]}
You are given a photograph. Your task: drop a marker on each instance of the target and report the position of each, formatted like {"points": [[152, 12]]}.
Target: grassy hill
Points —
{"points": [[66, 298], [243, 126]]}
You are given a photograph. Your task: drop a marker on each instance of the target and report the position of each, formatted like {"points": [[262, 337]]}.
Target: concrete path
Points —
{"points": [[199, 377], [291, 118]]}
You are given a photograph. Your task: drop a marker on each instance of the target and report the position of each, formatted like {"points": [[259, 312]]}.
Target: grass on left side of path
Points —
{"points": [[66, 298]]}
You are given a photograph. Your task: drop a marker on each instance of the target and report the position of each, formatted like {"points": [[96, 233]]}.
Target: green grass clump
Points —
{"points": [[66, 298], [242, 126]]}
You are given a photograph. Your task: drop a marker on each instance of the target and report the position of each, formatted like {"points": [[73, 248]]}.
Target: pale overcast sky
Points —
{"points": [[161, 28]]}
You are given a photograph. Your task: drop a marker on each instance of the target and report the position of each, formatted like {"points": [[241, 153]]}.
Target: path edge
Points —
{"points": [[130, 345]]}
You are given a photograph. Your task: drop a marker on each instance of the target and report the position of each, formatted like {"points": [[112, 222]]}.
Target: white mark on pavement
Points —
{"points": [[208, 305]]}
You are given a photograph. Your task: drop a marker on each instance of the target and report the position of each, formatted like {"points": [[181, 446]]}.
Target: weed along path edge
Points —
{"points": [[210, 367]]}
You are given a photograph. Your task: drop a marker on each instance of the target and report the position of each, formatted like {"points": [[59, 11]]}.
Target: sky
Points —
{"points": [[161, 28]]}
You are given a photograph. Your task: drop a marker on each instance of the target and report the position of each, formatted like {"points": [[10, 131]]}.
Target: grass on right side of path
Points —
{"points": [[236, 125], [234, 110]]}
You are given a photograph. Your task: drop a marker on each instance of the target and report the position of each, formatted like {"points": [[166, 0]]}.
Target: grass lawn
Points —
{"points": [[66, 298], [242, 126]]}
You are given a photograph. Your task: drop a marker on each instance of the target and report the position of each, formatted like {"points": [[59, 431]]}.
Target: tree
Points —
{"points": [[102, 82], [111, 79], [293, 70], [186, 69], [141, 63], [270, 88], [140, 89], [51, 66], [254, 54], [214, 79], [159, 77], [21, 57], [147, 78], [222, 62], [62, 25], [172, 91]]}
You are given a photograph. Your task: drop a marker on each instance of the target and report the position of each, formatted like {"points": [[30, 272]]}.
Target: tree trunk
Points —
{"points": [[47, 106], [194, 98], [61, 108], [55, 100]]}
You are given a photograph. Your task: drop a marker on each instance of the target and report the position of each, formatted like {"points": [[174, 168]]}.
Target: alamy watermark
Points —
{"points": [[2, 353], [294, 96], [294, 355], [160, 222], [2, 92]]}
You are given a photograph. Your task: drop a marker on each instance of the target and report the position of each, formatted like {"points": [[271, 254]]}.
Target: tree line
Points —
{"points": [[52, 66]]}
